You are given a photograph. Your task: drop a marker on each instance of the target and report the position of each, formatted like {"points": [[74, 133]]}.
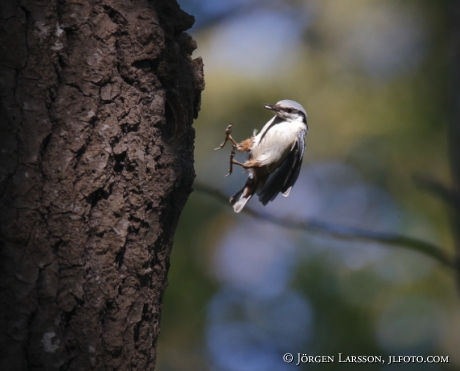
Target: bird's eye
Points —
{"points": [[289, 110]]}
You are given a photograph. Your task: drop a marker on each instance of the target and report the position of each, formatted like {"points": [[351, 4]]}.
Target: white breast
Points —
{"points": [[274, 142]]}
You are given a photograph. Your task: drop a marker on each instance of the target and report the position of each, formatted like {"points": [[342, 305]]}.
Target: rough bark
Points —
{"points": [[96, 164]]}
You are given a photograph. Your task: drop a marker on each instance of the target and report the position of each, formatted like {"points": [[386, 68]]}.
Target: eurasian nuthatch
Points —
{"points": [[275, 154]]}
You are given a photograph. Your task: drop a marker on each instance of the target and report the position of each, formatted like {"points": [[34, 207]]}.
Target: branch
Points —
{"points": [[435, 187], [341, 231]]}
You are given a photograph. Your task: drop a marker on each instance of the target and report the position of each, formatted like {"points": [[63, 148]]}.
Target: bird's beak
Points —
{"points": [[271, 107]]}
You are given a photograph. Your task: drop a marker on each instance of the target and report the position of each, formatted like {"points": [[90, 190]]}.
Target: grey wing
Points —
{"points": [[284, 178]]}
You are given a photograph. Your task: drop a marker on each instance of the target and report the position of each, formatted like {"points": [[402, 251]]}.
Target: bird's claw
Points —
{"points": [[227, 137], [232, 154]]}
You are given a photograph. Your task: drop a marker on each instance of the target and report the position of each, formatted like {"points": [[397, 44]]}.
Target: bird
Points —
{"points": [[275, 154]]}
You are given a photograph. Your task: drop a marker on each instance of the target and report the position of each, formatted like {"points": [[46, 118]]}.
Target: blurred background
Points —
{"points": [[373, 76]]}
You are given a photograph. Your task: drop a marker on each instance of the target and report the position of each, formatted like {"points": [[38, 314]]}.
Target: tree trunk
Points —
{"points": [[96, 164]]}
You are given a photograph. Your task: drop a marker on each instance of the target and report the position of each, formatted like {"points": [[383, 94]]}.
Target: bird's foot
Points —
{"points": [[247, 165], [228, 137], [232, 154]]}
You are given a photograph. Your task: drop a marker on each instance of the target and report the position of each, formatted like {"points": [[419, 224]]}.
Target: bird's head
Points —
{"points": [[288, 110]]}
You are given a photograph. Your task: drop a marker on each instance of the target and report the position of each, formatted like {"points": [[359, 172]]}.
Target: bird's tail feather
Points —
{"points": [[240, 199], [239, 205]]}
